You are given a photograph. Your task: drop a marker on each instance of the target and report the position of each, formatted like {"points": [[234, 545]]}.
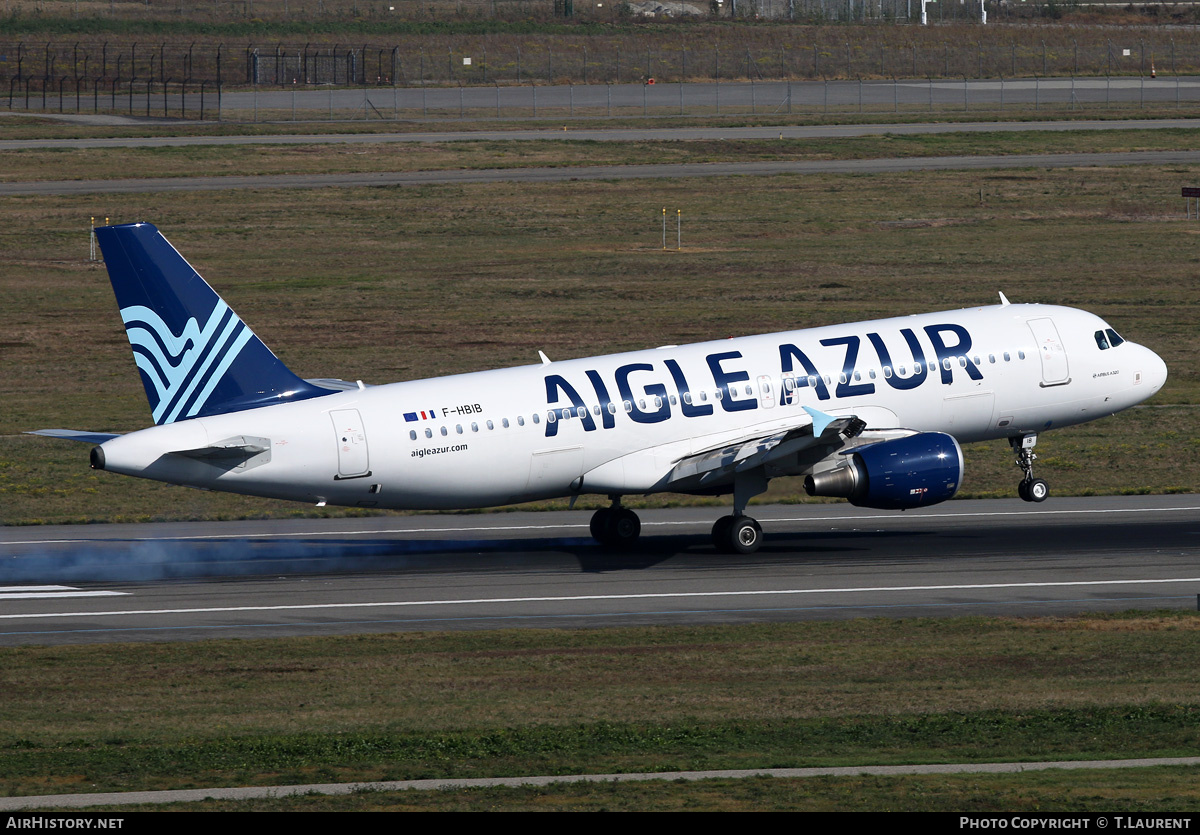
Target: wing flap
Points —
{"points": [[718, 464]]}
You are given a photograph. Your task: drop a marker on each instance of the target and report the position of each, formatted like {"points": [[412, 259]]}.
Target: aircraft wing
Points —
{"points": [[717, 465]]}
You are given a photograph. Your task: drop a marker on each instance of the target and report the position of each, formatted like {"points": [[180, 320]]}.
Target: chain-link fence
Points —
{"points": [[612, 11], [189, 81]]}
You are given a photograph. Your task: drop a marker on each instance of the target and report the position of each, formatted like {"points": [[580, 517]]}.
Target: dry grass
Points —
{"points": [[389, 284], [546, 701], [116, 163]]}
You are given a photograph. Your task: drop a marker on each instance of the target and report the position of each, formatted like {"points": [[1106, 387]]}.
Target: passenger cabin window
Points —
{"points": [[412, 436]]}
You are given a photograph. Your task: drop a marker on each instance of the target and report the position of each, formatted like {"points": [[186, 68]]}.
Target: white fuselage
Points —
{"points": [[499, 437]]}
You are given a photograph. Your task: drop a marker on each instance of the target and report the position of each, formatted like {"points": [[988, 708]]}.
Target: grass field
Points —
{"points": [[492, 273], [184, 161], [393, 283], [276, 712]]}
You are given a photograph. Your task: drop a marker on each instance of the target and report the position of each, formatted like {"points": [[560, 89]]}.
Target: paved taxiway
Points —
{"points": [[340, 576]]}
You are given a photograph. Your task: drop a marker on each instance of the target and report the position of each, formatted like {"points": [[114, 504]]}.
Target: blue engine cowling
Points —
{"points": [[916, 471]]}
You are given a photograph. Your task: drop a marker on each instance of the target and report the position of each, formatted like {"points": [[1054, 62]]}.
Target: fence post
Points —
{"points": [[219, 81]]}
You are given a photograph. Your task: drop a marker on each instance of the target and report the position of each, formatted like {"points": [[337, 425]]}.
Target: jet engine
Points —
{"points": [[916, 471]]}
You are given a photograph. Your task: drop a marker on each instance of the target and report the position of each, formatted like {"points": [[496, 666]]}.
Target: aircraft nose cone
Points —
{"points": [[1155, 371]]}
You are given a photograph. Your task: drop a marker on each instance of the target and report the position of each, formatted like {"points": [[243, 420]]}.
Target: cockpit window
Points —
{"points": [[1102, 340], [1114, 338]]}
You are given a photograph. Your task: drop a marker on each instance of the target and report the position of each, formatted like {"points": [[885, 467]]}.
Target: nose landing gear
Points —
{"points": [[1029, 489]]}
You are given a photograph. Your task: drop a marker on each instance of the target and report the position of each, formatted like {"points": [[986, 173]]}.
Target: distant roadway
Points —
{"points": [[189, 581]]}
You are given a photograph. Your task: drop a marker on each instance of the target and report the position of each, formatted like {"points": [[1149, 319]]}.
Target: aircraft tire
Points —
{"points": [[1023, 491], [601, 525], [1037, 490], [745, 535], [624, 529], [721, 535]]}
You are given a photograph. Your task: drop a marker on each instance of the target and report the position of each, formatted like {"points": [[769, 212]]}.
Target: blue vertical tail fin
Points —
{"points": [[196, 357]]}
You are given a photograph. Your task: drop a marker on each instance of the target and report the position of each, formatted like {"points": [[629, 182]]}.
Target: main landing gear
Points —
{"points": [[737, 534], [1030, 489], [616, 526], [619, 527]]}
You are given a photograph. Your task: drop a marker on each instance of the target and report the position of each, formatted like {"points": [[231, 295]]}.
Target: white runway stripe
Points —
{"points": [[574, 598], [44, 592]]}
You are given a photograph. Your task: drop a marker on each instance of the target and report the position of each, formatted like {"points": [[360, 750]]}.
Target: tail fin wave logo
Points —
{"points": [[184, 368]]}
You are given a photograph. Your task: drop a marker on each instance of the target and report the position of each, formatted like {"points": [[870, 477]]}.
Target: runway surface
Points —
{"points": [[518, 570]]}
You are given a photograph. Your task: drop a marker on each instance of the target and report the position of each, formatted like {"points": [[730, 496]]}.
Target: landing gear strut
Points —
{"points": [[1030, 489], [616, 526], [739, 534]]}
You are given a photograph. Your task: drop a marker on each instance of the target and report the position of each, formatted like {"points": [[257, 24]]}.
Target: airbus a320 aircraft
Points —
{"points": [[873, 412]]}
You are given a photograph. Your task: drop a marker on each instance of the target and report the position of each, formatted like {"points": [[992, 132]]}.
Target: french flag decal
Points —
{"points": [[409, 417]]}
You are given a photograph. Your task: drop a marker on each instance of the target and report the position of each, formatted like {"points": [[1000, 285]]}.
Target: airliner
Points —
{"points": [[873, 412]]}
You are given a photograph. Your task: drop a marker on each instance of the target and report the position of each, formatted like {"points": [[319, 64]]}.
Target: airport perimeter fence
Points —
{"points": [[602, 11], [365, 81]]}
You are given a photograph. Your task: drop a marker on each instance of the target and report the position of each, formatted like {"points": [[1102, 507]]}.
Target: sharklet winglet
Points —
{"points": [[820, 420]]}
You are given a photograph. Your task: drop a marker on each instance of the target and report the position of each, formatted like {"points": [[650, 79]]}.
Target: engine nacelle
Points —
{"points": [[916, 471]]}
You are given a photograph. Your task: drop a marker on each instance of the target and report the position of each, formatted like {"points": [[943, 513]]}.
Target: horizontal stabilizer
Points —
{"points": [[239, 453], [336, 384], [240, 448], [76, 435]]}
